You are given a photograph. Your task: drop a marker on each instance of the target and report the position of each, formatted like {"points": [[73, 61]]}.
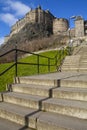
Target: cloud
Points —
{"points": [[19, 7], [13, 10], [6, 9], [1, 40], [8, 18]]}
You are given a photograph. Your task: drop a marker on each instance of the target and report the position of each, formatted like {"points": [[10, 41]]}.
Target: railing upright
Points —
{"points": [[16, 60], [38, 63], [48, 64]]}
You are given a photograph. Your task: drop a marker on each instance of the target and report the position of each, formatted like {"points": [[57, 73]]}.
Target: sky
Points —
{"points": [[12, 10]]}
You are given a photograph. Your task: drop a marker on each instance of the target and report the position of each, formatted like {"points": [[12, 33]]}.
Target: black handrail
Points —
{"points": [[7, 69], [7, 52], [38, 61], [38, 64]]}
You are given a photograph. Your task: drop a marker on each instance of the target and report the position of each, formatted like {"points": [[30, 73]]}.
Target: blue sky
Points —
{"points": [[12, 10]]}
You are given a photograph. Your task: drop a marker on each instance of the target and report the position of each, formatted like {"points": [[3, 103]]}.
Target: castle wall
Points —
{"points": [[18, 26], [79, 27], [30, 16], [34, 16], [60, 25], [85, 27]]}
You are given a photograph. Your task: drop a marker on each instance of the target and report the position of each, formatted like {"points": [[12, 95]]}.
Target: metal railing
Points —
{"points": [[38, 64]]}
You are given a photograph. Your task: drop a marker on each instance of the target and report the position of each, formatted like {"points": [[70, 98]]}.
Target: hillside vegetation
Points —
{"points": [[33, 37]]}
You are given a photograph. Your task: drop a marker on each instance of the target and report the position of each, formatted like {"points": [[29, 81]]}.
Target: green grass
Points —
{"points": [[24, 70]]}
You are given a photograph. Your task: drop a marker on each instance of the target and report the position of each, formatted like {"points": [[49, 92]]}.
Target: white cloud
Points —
{"points": [[8, 18], [6, 9], [19, 8], [13, 10], [1, 40]]}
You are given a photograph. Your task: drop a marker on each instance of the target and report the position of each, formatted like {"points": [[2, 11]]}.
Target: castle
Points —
{"points": [[57, 25], [40, 16]]}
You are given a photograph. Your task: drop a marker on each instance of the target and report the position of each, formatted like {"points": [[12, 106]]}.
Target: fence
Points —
{"points": [[38, 64]]}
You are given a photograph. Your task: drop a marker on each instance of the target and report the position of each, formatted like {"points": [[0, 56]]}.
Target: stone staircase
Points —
{"points": [[56, 101], [76, 62]]}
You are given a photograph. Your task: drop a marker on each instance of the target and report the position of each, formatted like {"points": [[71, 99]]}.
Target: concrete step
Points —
{"points": [[69, 69], [50, 121], [70, 65], [26, 100], [78, 69], [20, 115], [36, 81], [73, 81], [66, 107], [38, 120], [83, 64], [9, 125], [70, 93], [83, 69], [32, 89]]}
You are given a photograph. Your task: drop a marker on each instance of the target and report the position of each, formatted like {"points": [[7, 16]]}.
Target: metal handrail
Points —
{"points": [[38, 62]]}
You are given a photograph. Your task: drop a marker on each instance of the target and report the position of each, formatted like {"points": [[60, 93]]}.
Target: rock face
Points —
{"points": [[31, 31]]}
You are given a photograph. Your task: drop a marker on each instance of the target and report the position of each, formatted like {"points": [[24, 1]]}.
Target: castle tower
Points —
{"points": [[40, 15], [60, 25], [79, 27]]}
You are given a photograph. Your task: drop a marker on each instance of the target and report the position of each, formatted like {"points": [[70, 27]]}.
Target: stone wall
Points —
{"points": [[34, 16], [60, 25], [79, 27]]}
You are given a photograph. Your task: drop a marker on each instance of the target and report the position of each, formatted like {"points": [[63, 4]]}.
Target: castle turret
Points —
{"points": [[60, 25], [79, 27]]}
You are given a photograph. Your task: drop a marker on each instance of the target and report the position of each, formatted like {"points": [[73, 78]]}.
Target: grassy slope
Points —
{"points": [[24, 70]]}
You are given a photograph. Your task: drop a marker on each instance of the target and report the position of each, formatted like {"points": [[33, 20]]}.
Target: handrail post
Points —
{"points": [[56, 60], [63, 52], [48, 64], [16, 60], [38, 64]]}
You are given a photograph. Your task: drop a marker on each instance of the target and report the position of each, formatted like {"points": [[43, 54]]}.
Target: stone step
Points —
{"points": [[83, 69], [9, 125], [80, 69], [26, 100], [20, 115], [70, 65], [66, 107], [36, 81], [38, 120], [70, 93], [78, 82], [69, 69], [50, 121], [32, 89]]}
